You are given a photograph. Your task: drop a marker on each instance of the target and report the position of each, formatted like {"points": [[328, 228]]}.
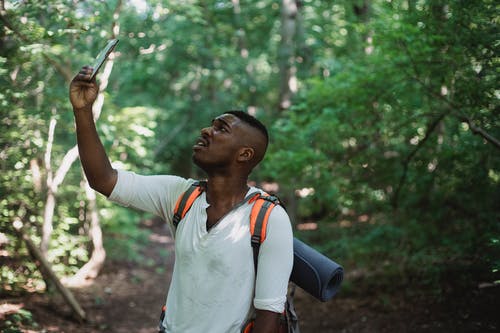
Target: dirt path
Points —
{"points": [[127, 298]]}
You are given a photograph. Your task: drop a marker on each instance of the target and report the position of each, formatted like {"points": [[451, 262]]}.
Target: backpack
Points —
{"points": [[263, 203]]}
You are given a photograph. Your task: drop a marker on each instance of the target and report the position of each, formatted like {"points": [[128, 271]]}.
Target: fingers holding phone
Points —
{"points": [[83, 89]]}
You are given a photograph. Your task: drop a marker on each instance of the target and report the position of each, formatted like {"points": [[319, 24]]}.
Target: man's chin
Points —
{"points": [[197, 161]]}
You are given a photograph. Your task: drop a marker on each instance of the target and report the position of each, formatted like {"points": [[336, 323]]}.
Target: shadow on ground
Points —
{"points": [[127, 298]]}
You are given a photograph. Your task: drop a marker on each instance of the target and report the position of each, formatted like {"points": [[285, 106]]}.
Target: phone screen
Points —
{"points": [[103, 55]]}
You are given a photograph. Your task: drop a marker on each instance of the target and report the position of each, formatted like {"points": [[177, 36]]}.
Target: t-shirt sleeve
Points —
{"points": [[153, 194], [275, 263]]}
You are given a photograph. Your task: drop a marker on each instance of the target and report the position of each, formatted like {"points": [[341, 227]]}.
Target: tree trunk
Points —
{"points": [[50, 202], [92, 268], [286, 53], [242, 47], [288, 79], [53, 183], [240, 31], [358, 12]]}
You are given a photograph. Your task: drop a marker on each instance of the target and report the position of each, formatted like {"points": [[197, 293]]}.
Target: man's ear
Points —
{"points": [[246, 154]]}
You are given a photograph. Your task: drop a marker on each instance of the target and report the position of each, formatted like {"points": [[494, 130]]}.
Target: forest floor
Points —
{"points": [[127, 298]]}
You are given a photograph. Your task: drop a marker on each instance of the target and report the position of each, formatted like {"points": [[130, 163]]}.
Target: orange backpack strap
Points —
{"points": [[264, 204], [186, 200], [262, 207]]}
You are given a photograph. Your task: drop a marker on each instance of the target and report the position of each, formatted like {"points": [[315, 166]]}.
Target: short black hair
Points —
{"points": [[250, 120]]}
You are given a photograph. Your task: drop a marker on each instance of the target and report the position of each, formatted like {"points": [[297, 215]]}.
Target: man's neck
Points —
{"points": [[226, 191]]}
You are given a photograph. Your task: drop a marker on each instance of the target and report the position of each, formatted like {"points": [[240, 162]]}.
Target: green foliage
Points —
{"points": [[16, 322], [123, 238], [384, 142], [389, 135], [40, 42]]}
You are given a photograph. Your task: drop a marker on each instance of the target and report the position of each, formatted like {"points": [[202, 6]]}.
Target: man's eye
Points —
{"points": [[220, 128]]}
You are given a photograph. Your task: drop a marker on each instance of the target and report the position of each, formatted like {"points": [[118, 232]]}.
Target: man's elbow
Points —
{"points": [[104, 185]]}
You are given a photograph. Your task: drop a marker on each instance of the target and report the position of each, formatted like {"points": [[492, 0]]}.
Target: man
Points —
{"points": [[213, 287]]}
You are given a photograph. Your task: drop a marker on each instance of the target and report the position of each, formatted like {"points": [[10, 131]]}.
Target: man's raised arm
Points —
{"points": [[82, 93]]}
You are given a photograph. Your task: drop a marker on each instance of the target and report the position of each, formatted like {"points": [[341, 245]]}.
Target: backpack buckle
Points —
{"points": [[271, 198], [176, 219], [255, 240]]}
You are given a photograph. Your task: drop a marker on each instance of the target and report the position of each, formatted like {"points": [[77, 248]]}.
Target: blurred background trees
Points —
{"points": [[383, 115]]}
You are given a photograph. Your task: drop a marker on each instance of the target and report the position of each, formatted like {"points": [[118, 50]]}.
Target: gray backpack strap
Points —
{"points": [[263, 204], [258, 225]]}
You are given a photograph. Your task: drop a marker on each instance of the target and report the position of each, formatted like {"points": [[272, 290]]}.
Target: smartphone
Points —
{"points": [[103, 55]]}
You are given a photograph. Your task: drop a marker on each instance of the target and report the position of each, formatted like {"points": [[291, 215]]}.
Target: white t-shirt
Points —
{"points": [[213, 279]]}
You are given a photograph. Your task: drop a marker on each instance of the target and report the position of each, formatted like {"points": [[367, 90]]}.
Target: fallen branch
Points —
{"points": [[47, 271]]}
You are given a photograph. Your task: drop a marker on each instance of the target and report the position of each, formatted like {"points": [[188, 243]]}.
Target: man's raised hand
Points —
{"points": [[82, 91]]}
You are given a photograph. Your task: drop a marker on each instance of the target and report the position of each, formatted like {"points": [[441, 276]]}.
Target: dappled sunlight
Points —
{"points": [[143, 330], [252, 110], [161, 239], [238, 230], [305, 192], [139, 5], [270, 187], [345, 224], [9, 308], [363, 218], [77, 283], [307, 226], [383, 130], [353, 220]]}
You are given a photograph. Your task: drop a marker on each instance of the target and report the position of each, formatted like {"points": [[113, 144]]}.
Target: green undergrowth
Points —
{"points": [[17, 322], [123, 237], [383, 257]]}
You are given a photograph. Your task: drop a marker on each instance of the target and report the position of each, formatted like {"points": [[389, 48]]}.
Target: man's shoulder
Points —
{"points": [[278, 211], [177, 185]]}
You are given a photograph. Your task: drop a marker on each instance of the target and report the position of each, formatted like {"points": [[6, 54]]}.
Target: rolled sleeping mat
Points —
{"points": [[314, 272]]}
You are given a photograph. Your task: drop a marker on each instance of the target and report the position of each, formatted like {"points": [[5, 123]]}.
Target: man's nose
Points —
{"points": [[207, 131]]}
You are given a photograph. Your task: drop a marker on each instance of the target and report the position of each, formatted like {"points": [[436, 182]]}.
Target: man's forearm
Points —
{"points": [[266, 322], [100, 174]]}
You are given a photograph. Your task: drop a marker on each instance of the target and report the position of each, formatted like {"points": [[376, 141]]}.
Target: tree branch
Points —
{"points": [[8, 24], [478, 130], [430, 129], [44, 266], [68, 159], [171, 136], [451, 105], [64, 71]]}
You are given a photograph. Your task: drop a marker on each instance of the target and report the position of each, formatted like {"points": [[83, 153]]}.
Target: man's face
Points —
{"points": [[218, 145]]}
